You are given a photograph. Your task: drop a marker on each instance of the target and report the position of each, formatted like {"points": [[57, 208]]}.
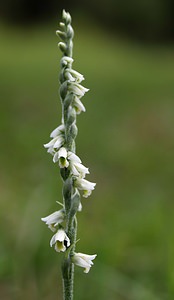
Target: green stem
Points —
{"points": [[67, 265], [68, 279], [71, 229]]}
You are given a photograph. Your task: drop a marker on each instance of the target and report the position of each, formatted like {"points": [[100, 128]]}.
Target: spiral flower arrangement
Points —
{"points": [[63, 149]]}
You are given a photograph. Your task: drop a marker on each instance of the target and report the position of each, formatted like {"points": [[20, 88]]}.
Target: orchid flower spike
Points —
{"points": [[62, 147]]}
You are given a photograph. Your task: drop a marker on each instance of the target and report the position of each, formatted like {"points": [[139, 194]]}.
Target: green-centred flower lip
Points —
{"points": [[60, 240]]}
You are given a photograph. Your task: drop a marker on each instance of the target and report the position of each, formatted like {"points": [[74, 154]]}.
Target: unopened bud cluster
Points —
{"points": [[62, 148]]}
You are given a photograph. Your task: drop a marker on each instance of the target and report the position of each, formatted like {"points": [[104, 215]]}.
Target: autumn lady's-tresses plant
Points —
{"points": [[63, 150]]}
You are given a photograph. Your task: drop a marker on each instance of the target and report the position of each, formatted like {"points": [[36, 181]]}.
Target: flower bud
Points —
{"points": [[61, 34], [66, 17], [62, 47]]}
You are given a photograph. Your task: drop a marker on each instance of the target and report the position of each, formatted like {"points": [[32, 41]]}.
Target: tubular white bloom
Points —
{"points": [[59, 142], [54, 219], [69, 159], [83, 260], [77, 89], [55, 143], [73, 75], [59, 240], [85, 185], [61, 157], [73, 157], [57, 131], [76, 167], [79, 107]]}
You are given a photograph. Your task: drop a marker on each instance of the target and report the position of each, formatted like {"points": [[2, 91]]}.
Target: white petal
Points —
{"points": [[51, 150], [73, 157], [55, 217], [76, 75], [62, 152], [82, 88], [59, 142], [77, 89], [83, 260], [60, 235], [79, 105], [87, 257], [81, 168], [74, 170], [80, 262], [85, 184], [56, 157], [53, 240], [51, 143], [57, 131]]}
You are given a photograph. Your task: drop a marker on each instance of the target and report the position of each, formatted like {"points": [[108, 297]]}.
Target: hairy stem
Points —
{"points": [[69, 118]]}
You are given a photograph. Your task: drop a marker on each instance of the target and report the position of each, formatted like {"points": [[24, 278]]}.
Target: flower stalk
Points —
{"points": [[63, 149]]}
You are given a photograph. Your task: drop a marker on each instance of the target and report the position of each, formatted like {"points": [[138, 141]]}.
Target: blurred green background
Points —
{"points": [[126, 138]]}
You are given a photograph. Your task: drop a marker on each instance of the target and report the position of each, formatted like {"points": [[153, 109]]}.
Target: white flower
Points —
{"points": [[73, 75], [57, 141], [61, 241], [57, 131], [73, 157], [79, 107], [54, 219], [76, 167], [65, 155], [69, 159], [83, 260], [61, 157], [85, 185], [77, 89]]}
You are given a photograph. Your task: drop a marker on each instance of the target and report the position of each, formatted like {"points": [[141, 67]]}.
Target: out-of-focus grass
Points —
{"points": [[126, 138]]}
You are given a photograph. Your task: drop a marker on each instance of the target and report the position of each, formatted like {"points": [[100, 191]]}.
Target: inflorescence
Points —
{"points": [[62, 147]]}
